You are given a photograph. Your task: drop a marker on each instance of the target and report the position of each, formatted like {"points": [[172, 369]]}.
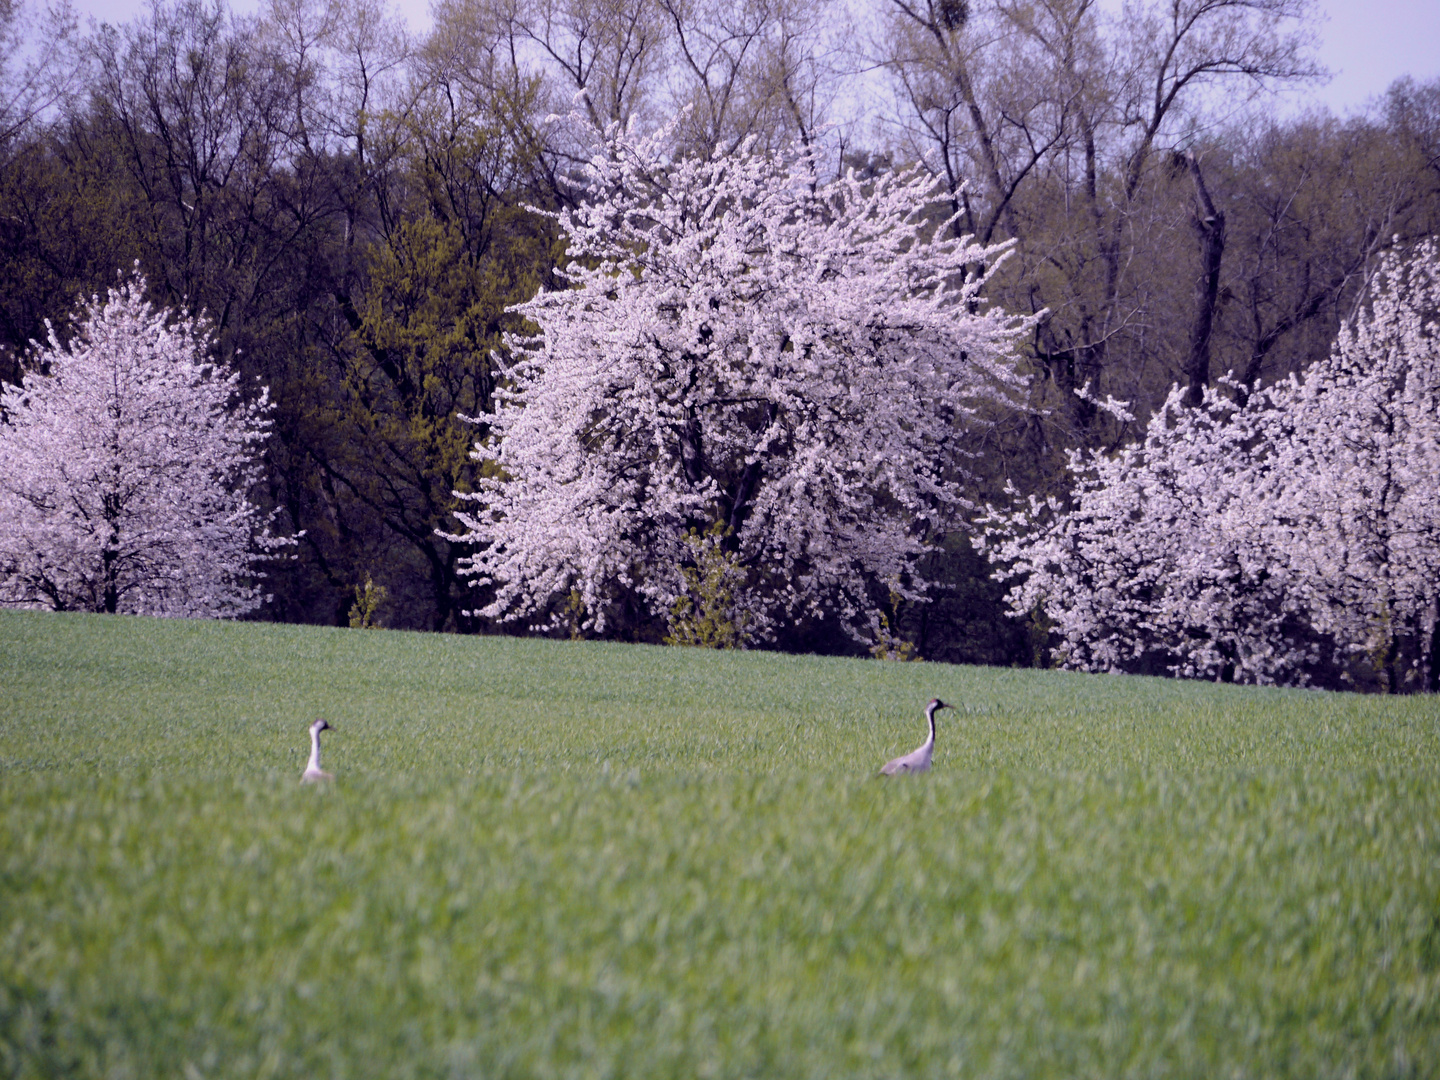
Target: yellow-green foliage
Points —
{"points": [[428, 322], [888, 644], [708, 614], [368, 599], [556, 859]]}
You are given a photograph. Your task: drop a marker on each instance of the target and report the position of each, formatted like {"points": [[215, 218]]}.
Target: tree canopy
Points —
{"points": [[790, 367], [129, 459]]}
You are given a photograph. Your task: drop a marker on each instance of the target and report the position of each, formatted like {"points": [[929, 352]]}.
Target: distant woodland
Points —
{"points": [[359, 211]]}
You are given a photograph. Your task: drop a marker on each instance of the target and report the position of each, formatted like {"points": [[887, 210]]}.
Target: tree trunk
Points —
{"points": [[1209, 226], [745, 489], [1433, 660], [1392, 665], [109, 556]]}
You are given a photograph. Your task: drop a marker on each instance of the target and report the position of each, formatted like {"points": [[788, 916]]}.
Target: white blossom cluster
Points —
{"points": [[1252, 542], [739, 346], [128, 460]]}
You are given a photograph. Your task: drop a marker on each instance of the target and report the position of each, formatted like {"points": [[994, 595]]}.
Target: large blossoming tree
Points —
{"points": [[1353, 484], [1256, 543], [129, 458], [753, 378], [1154, 563]]}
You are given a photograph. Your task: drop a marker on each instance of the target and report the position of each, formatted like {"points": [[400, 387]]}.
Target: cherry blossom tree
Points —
{"points": [[1352, 489], [1154, 564], [747, 365], [129, 459], [1255, 542]]}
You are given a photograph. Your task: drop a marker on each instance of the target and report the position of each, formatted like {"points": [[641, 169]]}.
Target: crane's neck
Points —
{"points": [[314, 765], [930, 739]]}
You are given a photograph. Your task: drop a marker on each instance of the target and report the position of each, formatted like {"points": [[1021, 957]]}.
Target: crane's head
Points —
{"points": [[319, 726], [936, 704]]}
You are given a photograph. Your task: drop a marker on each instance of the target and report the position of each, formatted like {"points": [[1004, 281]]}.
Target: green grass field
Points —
{"points": [[545, 859]]}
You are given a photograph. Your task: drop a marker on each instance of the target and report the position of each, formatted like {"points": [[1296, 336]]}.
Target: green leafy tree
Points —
{"points": [[419, 360]]}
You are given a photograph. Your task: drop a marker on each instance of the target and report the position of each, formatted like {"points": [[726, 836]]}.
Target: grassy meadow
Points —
{"points": [[551, 859]]}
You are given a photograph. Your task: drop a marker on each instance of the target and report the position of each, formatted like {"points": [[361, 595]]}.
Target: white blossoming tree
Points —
{"points": [[748, 365], [1352, 487], [1255, 543], [1154, 564], [128, 462]]}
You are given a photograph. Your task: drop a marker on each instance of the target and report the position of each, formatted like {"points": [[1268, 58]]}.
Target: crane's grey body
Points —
{"points": [[313, 773], [918, 760]]}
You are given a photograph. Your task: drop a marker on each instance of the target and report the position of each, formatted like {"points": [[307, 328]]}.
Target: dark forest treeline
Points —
{"points": [[356, 211]]}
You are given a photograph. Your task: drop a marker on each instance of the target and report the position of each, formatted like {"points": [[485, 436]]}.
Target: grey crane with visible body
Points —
{"points": [[918, 760], [313, 773]]}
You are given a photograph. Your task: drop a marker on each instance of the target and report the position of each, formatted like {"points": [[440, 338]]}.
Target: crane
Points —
{"points": [[313, 772], [918, 760]]}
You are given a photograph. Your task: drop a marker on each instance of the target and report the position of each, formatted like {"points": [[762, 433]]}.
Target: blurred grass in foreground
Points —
{"points": [[552, 859]]}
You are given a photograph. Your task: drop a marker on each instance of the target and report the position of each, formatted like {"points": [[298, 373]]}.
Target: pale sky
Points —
{"points": [[1366, 45]]}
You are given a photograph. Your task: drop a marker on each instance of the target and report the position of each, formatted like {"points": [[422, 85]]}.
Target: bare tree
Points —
{"points": [[1058, 122], [739, 69], [760, 69], [40, 63], [1208, 224], [201, 119]]}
